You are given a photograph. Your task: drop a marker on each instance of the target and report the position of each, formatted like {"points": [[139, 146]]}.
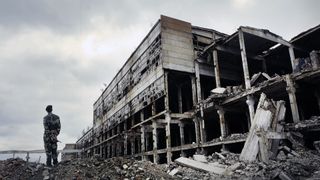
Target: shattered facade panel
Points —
{"points": [[189, 89]]}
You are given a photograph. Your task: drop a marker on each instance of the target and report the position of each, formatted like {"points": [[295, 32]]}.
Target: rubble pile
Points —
{"points": [[305, 164], [16, 168], [312, 123], [114, 168]]}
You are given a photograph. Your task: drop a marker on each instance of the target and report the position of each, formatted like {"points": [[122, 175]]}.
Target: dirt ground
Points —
{"points": [[304, 165]]}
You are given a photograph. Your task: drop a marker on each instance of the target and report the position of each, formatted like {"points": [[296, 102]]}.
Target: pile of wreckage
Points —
{"points": [[273, 149]]}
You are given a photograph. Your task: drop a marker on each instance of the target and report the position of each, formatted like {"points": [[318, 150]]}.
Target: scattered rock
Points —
{"points": [[173, 172], [125, 166], [285, 166]]}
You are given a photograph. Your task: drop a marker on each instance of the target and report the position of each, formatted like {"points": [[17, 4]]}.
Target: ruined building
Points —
{"points": [[189, 89]]}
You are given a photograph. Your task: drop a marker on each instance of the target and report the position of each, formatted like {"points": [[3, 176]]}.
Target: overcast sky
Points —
{"points": [[62, 52]]}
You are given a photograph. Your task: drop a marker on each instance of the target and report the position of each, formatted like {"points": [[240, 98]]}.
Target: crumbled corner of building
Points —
{"points": [[195, 103]]}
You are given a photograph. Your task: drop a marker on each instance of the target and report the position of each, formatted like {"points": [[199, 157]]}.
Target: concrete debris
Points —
{"points": [[19, 169], [257, 141], [316, 145], [315, 59], [289, 151], [259, 78], [285, 166], [200, 158], [218, 90], [303, 64], [200, 166], [173, 172], [220, 155], [234, 90]]}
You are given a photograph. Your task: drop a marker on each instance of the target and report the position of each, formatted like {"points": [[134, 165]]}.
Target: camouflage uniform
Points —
{"points": [[52, 126]]}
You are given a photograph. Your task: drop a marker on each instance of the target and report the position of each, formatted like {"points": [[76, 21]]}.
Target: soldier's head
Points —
{"points": [[49, 108]]}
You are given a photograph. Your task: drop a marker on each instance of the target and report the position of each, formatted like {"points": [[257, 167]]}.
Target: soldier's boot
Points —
{"points": [[49, 161], [55, 162]]}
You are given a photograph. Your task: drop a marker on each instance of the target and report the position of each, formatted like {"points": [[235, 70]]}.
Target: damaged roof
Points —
{"points": [[309, 39]]}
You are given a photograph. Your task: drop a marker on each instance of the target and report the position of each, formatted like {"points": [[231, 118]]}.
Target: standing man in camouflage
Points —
{"points": [[51, 123]]}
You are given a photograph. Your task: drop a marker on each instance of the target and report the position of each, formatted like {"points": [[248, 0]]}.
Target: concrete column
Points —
{"points": [[125, 144], [194, 91], [142, 142], [132, 121], [223, 128], [166, 84], [181, 126], [182, 140], [198, 84], [155, 142], [196, 126], [139, 145], [293, 100], [147, 141], [244, 60], [153, 109], [141, 116], [292, 59], [101, 151], [108, 150], [168, 137], [132, 141], [250, 102], [203, 138], [180, 99], [216, 68]]}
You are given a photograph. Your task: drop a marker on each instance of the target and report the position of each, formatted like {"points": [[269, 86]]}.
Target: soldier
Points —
{"points": [[51, 123]]}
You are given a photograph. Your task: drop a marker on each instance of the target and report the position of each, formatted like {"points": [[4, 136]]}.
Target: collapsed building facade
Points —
{"points": [[163, 104]]}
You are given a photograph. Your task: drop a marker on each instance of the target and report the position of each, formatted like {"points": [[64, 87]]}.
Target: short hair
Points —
{"points": [[49, 108]]}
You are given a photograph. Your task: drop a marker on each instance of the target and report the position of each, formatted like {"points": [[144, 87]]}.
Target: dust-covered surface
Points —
{"points": [[20, 169], [115, 168], [304, 166]]}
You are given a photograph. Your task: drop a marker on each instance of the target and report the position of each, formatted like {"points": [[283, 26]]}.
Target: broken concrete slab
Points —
{"points": [[289, 150], [200, 166], [218, 90], [173, 172], [200, 158], [262, 121]]}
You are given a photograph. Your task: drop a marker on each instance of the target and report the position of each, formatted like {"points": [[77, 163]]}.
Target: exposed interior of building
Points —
{"points": [[189, 89]]}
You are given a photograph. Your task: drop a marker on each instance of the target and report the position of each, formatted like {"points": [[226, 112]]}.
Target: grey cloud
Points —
{"points": [[69, 16], [30, 81]]}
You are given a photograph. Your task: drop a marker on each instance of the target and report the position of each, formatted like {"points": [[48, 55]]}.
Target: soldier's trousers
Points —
{"points": [[51, 152]]}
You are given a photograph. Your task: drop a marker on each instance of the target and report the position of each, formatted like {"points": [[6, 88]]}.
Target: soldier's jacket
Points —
{"points": [[51, 123]]}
